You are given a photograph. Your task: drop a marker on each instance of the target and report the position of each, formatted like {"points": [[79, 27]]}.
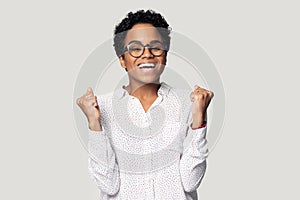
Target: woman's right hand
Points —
{"points": [[89, 106]]}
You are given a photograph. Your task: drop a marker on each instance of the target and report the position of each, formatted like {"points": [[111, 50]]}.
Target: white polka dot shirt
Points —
{"points": [[147, 155]]}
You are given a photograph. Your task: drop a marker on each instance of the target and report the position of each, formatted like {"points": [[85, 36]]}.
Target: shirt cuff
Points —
{"points": [[94, 132], [202, 126]]}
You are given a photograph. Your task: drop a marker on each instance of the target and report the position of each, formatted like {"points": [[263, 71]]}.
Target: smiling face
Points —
{"points": [[147, 68]]}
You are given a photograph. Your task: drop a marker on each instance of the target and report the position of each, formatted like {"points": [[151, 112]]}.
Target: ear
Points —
{"points": [[122, 61]]}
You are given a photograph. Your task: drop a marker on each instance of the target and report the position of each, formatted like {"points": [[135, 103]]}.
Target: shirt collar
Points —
{"points": [[162, 91]]}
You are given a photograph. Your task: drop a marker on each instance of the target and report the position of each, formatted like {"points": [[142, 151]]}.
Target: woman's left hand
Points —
{"points": [[201, 99]]}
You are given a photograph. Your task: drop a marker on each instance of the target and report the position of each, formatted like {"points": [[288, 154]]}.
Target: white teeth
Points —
{"points": [[147, 65]]}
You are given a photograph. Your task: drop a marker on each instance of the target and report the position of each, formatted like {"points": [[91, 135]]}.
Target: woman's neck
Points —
{"points": [[144, 91]]}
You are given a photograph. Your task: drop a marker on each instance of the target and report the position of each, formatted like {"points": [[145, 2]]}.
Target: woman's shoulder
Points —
{"points": [[104, 101], [104, 97], [182, 94], [177, 90]]}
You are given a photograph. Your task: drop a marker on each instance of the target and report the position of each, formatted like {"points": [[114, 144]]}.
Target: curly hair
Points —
{"points": [[139, 17]]}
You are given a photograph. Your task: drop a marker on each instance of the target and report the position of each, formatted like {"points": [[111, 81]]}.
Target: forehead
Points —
{"points": [[142, 32]]}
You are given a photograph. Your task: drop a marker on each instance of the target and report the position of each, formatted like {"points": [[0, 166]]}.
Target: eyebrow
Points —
{"points": [[132, 41]]}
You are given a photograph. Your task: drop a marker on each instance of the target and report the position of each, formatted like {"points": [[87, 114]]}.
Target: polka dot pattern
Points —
{"points": [[147, 155]]}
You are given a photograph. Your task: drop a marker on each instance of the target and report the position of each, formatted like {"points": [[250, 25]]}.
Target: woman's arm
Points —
{"points": [[102, 164], [193, 160]]}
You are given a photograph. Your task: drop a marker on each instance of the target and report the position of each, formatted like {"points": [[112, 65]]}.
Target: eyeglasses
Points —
{"points": [[136, 48]]}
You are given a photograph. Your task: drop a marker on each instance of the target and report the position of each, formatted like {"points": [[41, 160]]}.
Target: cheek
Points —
{"points": [[163, 60], [129, 61]]}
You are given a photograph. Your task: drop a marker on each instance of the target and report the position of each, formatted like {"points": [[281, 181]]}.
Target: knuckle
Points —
{"points": [[78, 101], [201, 95], [209, 93], [85, 102]]}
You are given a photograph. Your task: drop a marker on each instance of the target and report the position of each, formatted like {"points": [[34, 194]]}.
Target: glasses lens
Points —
{"points": [[135, 49], [156, 48]]}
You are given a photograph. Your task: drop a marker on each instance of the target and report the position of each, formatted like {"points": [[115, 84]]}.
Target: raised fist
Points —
{"points": [[201, 99], [89, 106]]}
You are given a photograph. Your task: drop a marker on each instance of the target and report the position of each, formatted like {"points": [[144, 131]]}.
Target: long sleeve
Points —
{"points": [[102, 164], [193, 160]]}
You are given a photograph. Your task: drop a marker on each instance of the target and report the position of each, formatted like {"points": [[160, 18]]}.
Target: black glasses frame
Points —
{"points": [[126, 48]]}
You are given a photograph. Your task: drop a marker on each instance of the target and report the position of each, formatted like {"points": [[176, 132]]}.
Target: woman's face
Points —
{"points": [[147, 68]]}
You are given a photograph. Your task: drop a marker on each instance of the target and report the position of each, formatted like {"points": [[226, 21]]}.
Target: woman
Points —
{"points": [[137, 133]]}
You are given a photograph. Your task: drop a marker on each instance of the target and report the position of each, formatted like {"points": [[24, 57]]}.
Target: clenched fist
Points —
{"points": [[89, 106], [201, 99]]}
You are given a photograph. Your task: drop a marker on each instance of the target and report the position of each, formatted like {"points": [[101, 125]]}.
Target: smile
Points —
{"points": [[146, 66]]}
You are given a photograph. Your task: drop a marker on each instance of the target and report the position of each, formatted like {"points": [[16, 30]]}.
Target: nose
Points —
{"points": [[147, 53]]}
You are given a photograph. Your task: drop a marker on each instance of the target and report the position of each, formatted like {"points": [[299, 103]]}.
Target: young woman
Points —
{"points": [[137, 133]]}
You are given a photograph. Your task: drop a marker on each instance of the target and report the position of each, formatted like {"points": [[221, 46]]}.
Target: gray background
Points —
{"points": [[254, 44]]}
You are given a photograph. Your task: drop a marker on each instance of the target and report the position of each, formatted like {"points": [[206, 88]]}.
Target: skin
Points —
{"points": [[144, 84]]}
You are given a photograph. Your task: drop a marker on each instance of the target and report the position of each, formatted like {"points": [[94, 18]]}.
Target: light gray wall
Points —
{"points": [[254, 45]]}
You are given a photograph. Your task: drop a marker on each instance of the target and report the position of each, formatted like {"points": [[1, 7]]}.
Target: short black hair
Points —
{"points": [[140, 17]]}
